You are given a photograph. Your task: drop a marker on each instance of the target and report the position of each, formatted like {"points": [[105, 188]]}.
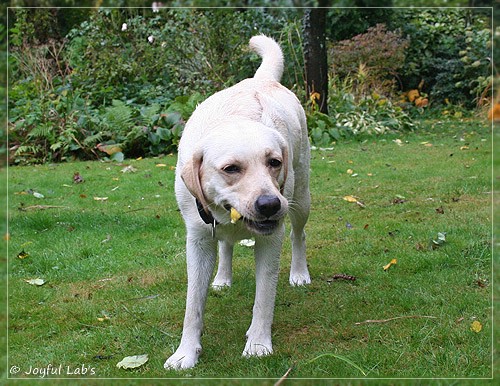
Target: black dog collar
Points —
{"points": [[207, 217]]}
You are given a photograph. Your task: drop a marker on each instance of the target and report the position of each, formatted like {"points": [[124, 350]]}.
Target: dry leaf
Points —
{"points": [[129, 169], [77, 178], [100, 198], [22, 255], [476, 326], [354, 199], [350, 171], [392, 262], [161, 165], [109, 149], [37, 282], [247, 242], [132, 362], [350, 199]]}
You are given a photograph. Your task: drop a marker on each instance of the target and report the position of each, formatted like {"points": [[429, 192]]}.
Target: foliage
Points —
{"points": [[450, 51], [351, 114], [120, 76], [130, 77], [375, 57]]}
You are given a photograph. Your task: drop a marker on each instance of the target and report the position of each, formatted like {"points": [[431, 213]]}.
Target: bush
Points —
{"points": [[376, 56], [351, 115], [450, 52], [125, 79]]}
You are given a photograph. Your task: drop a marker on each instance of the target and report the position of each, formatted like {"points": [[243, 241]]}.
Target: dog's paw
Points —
{"points": [[183, 359], [299, 279], [221, 283], [257, 348]]}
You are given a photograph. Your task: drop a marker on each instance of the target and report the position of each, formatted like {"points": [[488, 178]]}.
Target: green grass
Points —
{"points": [[124, 258]]}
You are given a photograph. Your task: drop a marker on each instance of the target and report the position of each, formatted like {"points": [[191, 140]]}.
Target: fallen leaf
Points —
{"points": [[464, 148], [366, 226], [398, 142], [161, 165], [108, 238], [341, 276], [350, 199], [129, 169], [38, 195], [355, 200], [247, 243], [22, 255], [441, 239], [132, 362], [476, 326], [37, 282], [109, 149], [100, 198], [350, 171], [392, 262], [6, 236], [77, 178]]}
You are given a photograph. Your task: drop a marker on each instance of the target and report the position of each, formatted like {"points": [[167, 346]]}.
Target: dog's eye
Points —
{"points": [[232, 169], [274, 163]]}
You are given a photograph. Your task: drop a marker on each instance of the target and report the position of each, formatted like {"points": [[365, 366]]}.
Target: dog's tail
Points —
{"points": [[272, 57]]}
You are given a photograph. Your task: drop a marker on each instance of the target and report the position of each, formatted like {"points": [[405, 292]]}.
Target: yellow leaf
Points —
{"points": [[412, 95], [109, 149], [392, 262], [350, 199], [464, 148], [350, 171], [476, 326], [161, 165], [235, 216], [315, 96], [22, 255]]}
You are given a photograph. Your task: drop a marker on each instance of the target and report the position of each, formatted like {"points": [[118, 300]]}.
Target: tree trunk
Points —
{"points": [[315, 57]]}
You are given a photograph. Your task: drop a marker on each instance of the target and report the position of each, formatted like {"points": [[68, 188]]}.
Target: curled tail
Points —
{"points": [[272, 57]]}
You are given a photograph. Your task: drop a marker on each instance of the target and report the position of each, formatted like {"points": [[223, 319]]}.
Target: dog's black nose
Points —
{"points": [[268, 205]]}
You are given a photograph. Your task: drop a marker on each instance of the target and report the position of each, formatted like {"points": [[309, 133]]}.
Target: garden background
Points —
{"points": [[116, 85]]}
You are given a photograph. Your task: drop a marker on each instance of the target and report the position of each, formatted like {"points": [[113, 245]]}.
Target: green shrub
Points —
{"points": [[351, 115], [450, 51]]}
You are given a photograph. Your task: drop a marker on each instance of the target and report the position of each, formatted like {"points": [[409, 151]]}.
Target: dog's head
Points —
{"points": [[244, 166]]}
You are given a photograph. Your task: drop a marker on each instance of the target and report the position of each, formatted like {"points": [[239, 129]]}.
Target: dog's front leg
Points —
{"points": [[201, 253], [267, 262]]}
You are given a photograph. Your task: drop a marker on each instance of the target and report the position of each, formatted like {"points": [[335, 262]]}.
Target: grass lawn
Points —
{"points": [[111, 252]]}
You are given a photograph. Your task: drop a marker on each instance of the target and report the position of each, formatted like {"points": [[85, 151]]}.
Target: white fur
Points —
{"points": [[253, 125]]}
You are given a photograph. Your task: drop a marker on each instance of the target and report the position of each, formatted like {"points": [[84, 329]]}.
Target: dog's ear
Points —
{"points": [[191, 175]]}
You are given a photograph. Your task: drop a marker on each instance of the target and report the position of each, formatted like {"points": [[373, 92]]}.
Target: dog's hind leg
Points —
{"points": [[201, 253], [299, 274], [224, 276]]}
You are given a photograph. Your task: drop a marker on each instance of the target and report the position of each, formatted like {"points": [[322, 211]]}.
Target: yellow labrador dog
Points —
{"points": [[243, 166]]}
